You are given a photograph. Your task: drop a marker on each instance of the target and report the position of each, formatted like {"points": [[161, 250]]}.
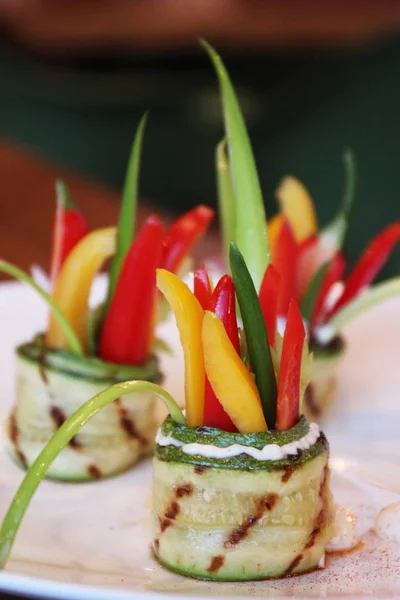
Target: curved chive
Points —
{"points": [[250, 219], [369, 298], [311, 295], [256, 335], [63, 196], [226, 202], [60, 439], [73, 342], [335, 233], [127, 215]]}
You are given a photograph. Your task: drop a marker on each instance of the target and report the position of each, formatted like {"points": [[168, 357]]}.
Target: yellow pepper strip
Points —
{"points": [[189, 319], [296, 204], [72, 285], [274, 226], [229, 378]]}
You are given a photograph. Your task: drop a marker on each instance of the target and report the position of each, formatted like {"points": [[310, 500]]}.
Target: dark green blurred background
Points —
{"points": [[302, 109]]}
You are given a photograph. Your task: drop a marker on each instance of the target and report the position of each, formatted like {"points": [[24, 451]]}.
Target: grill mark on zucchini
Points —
{"points": [[322, 515], [128, 425], [42, 370], [288, 472], [216, 563], [200, 469], [169, 516], [13, 432], [295, 563], [59, 417], [94, 471], [266, 503], [184, 490]]}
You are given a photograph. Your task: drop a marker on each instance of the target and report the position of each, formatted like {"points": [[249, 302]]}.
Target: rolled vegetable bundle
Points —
{"points": [[86, 350]]}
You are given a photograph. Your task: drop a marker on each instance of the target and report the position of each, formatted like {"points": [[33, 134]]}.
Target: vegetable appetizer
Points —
{"points": [[86, 350], [306, 264]]}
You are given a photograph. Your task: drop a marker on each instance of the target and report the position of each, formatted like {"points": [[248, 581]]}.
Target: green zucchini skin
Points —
{"points": [[51, 386], [227, 524]]}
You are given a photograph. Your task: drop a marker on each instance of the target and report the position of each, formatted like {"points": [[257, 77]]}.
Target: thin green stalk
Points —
{"points": [[226, 200], [127, 215], [256, 335], [59, 440], [250, 219], [64, 198], [336, 232], [73, 342], [311, 295], [372, 296]]}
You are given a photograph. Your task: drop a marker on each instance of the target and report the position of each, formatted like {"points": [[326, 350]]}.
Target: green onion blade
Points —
{"points": [[311, 295], [74, 344], [127, 215], [226, 201], [335, 234], [256, 335], [250, 220], [60, 439]]}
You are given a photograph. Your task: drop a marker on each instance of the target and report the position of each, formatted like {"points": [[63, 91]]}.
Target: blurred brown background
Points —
{"points": [[313, 77]]}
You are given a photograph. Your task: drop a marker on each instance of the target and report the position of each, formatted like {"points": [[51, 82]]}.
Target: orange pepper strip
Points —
{"points": [[297, 206], [274, 227], [229, 378], [189, 319], [74, 281]]}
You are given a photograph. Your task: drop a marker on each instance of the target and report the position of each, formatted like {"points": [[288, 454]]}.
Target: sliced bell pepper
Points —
{"points": [[268, 296], [182, 235], [126, 330], [223, 304], [288, 404], [297, 206], [189, 319], [68, 229], [274, 226], [369, 265], [334, 274], [284, 259], [231, 381], [202, 287], [72, 286]]}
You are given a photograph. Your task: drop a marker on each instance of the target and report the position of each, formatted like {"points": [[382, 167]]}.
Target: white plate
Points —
{"points": [[92, 540]]}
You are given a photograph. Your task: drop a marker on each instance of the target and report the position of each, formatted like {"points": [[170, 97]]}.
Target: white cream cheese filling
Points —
{"points": [[269, 452]]}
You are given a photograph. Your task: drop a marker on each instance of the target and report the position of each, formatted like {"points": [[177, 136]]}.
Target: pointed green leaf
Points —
{"points": [[127, 215], [73, 342], [372, 296], [256, 335], [226, 201], [250, 219], [59, 440], [311, 295], [64, 198], [335, 234]]}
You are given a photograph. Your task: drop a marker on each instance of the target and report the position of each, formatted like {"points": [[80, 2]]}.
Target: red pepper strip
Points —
{"points": [[268, 297], [68, 229], [183, 234], [284, 260], [126, 330], [334, 274], [369, 265], [288, 404], [202, 287], [223, 305]]}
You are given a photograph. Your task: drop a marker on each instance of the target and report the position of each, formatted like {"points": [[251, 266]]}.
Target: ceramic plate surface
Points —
{"points": [[92, 540]]}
